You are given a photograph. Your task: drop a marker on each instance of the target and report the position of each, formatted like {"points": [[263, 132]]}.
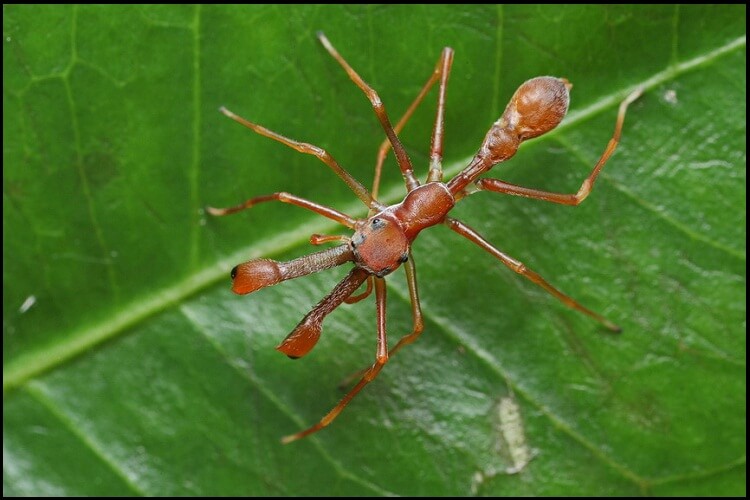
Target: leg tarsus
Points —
{"points": [[417, 322], [284, 197], [377, 105], [436, 145], [371, 373], [353, 299], [380, 359], [321, 239], [517, 266], [441, 68], [416, 309], [499, 186], [310, 149]]}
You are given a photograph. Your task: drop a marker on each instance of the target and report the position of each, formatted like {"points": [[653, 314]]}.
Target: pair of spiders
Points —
{"points": [[382, 242]]}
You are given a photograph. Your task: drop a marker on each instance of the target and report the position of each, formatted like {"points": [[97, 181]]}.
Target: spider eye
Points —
{"points": [[377, 223]]}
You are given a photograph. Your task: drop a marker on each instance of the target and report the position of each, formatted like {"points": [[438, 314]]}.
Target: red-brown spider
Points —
{"points": [[382, 242]]}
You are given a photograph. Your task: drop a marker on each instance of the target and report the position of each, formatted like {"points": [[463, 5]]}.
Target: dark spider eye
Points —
{"points": [[377, 223], [404, 257], [234, 272], [383, 272]]}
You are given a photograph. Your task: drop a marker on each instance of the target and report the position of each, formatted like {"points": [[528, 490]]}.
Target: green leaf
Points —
{"points": [[130, 368]]}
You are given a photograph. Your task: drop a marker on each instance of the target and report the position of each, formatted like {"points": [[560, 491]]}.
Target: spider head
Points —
{"points": [[380, 245]]}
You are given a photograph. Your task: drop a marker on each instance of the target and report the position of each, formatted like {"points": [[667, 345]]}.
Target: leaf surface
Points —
{"points": [[130, 368]]}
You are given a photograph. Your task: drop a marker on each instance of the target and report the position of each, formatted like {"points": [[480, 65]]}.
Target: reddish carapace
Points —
{"points": [[382, 241]]}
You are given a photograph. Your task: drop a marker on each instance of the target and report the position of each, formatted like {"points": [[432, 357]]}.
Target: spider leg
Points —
{"points": [[310, 149], [323, 210], [499, 186], [519, 267], [380, 360], [377, 105]]}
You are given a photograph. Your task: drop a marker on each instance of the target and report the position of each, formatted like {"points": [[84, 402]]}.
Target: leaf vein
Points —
{"points": [[37, 391], [196, 156], [454, 334], [271, 397], [86, 188], [652, 209]]}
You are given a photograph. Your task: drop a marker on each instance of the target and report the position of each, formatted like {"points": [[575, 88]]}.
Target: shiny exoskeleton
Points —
{"points": [[381, 243]]}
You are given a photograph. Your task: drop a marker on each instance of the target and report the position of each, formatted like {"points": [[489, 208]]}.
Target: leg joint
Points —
{"points": [[320, 152], [370, 374], [377, 104], [418, 328]]}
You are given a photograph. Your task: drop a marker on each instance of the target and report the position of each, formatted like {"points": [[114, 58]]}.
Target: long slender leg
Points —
{"points": [[323, 210], [377, 105], [436, 146], [416, 310], [517, 266], [380, 359], [320, 239], [416, 314], [566, 199], [310, 149], [353, 299], [385, 146]]}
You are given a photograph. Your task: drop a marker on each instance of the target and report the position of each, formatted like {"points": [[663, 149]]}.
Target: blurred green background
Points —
{"points": [[130, 368]]}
